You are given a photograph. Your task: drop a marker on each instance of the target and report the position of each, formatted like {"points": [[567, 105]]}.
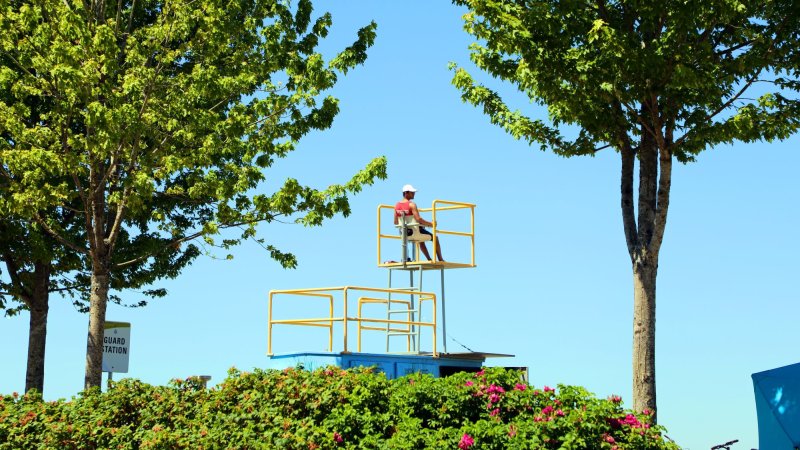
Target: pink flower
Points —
{"points": [[547, 409], [479, 373], [536, 392], [631, 420], [337, 437], [496, 388], [468, 383], [646, 412], [537, 418], [466, 442], [615, 398], [548, 389], [609, 439], [559, 413], [520, 387], [495, 412], [494, 398]]}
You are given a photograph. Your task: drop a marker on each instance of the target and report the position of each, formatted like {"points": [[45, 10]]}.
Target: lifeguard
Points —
{"points": [[408, 208]]}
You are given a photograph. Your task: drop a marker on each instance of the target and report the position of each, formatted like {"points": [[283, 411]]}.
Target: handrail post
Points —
{"points": [[433, 297], [433, 238], [269, 325], [344, 320], [330, 324], [358, 327], [379, 234], [472, 232]]}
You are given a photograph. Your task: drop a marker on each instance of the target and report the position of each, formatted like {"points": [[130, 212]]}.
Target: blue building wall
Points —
{"points": [[394, 366]]}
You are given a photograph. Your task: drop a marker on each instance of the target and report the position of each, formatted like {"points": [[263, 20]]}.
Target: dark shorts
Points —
{"points": [[422, 230]]}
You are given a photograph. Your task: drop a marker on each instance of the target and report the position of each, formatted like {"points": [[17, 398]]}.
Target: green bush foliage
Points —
{"points": [[326, 409]]}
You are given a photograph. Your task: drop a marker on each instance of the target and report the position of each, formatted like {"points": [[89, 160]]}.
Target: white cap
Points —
{"points": [[409, 188]]}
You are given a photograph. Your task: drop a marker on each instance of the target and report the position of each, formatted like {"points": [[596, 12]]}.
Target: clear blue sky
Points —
{"points": [[553, 283]]}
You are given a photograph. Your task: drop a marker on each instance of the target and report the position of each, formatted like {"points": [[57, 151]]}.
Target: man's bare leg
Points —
{"points": [[438, 250], [424, 250]]}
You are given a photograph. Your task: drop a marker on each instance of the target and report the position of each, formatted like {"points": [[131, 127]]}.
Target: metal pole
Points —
{"points": [[388, 311], [412, 306], [404, 240], [204, 379], [418, 329], [444, 326]]}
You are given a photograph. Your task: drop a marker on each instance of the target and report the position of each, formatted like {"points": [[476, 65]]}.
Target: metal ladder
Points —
{"points": [[412, 310]]}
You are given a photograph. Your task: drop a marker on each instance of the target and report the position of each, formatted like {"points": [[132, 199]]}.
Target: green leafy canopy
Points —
{"points": [[164, 116], [595, 64]]}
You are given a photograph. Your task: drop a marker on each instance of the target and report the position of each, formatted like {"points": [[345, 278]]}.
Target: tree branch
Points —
{"points": [[664, 187], [13, 273], [186, 239], [735, 47], [628, 156], [603, 147], [39, 220]]}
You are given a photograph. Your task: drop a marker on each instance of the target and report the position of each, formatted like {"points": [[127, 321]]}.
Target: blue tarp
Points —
{"points": [[778, 407]]}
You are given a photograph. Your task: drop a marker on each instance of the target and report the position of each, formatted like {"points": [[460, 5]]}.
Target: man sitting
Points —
{"points": [[408, 208]]}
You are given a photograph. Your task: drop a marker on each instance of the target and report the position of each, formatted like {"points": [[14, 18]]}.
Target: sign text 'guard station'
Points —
{"points": [[116, 347]]}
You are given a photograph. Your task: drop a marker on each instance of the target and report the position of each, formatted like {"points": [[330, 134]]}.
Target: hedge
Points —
{"points": [[329, 408]]}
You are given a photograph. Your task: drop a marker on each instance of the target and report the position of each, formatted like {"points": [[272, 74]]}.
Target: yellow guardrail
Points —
{"points": [[438, 211], [389, 325]]}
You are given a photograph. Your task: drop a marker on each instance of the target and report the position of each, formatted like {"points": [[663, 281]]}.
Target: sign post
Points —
{"points": [[116, 347]]}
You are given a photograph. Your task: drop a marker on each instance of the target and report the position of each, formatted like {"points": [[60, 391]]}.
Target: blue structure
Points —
{"points": [[777, 394], [392, 365]]}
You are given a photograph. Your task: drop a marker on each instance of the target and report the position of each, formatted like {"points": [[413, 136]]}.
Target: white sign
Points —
{"points": [[116, 347]]}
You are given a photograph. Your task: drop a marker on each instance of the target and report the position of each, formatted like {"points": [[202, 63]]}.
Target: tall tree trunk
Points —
{"points": [[97, 322], [644, 232], [99, 250], [37, 331], [644, 335]]}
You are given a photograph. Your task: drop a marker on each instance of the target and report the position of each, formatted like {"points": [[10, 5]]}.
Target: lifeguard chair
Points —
{"points": [[409, 231], [397, 311], [460, 220]]}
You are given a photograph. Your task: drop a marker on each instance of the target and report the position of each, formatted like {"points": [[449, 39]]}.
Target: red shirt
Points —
{"points": [[402, 207]]}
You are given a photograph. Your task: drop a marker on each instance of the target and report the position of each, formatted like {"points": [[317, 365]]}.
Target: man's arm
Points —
{"points": [[420, 220]]}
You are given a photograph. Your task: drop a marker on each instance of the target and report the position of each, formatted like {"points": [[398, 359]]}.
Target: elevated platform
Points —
{"points": [[425, 265], [459, 218], [393, 365], [410, 320]]}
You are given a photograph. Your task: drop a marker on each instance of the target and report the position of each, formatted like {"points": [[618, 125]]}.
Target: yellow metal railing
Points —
{"points": [[407, 298], [438, 211]]}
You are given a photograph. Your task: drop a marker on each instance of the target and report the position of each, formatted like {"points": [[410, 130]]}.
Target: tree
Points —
{"points": [[163, 117], [37, 265], [29, 266], [656, 82]]}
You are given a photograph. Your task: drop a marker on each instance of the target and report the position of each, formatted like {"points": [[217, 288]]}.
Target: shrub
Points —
{"points": [[329, 408]]}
